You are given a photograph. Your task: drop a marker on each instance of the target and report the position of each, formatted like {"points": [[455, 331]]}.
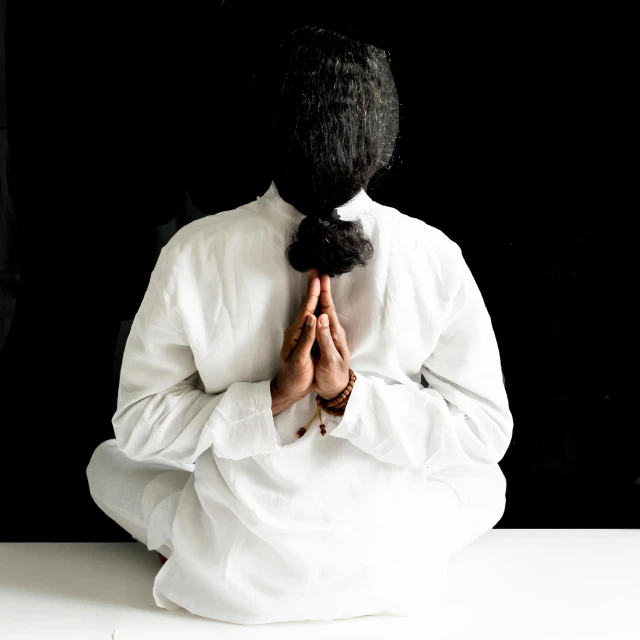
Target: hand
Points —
{"points": [[332, 365], [295, 377]]}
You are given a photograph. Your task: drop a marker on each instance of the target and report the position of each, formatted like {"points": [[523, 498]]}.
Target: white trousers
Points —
{"points": [[465, 502]]}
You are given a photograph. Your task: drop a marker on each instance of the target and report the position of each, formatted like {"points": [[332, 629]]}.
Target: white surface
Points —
{"points": [[543, 584]]}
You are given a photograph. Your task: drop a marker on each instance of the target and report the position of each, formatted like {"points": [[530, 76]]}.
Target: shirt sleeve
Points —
{"points": [[161, 413], [462, 418]]}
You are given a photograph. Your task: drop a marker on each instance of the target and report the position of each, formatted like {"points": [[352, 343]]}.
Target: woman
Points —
{"points": [[269, 504]]}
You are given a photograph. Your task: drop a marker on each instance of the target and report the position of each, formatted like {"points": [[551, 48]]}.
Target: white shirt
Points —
{"points": [[272, 527]]}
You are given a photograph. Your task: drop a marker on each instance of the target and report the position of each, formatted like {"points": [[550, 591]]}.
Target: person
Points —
{"points": [[273, 439]]}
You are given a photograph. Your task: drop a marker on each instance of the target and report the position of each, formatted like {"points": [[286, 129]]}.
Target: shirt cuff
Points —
{"points": [[349, 424], [242, 424]]}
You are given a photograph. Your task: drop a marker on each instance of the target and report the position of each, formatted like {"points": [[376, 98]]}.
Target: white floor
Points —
{"points": [[509, 584]]}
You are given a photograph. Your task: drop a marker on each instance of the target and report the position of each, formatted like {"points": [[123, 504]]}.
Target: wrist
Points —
{"points": [[280, 400], [337, 405], [336, 392]]}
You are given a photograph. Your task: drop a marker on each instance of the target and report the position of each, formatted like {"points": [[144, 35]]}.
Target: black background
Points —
{"points": [[123, 125]]}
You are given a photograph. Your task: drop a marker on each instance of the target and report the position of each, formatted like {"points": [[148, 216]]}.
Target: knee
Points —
{"points": [[496, 493], [488, 504], [482, 490], [99, 463]]}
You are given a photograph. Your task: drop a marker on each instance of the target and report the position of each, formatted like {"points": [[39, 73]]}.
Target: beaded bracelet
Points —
{"points": [[335, 407], [341, 400]]}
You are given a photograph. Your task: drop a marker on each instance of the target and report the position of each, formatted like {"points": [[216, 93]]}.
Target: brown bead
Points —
{"points": [[301, 431], [338, 400]]}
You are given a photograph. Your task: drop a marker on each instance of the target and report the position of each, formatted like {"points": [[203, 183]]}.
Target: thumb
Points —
{"points": [[308, 336], [324, 338]]}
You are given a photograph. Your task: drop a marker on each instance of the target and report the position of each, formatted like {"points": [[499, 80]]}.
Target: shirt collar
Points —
{"points": [[351, 210]]}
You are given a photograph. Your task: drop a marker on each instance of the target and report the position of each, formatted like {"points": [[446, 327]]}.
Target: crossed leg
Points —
{"points": [[469, 502]]}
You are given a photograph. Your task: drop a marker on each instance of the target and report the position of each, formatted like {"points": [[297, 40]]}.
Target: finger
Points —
{"points": [[307, 337], [310, 303], [327, 306], [328, 350], [314, 273], [294, 332], [308, 307], [314, 291]]}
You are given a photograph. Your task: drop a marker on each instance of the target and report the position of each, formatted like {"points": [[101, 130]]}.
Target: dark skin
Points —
{"points": [[332, 356], [315, 356]]}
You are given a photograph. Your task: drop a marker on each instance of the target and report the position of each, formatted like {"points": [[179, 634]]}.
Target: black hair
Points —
{"points": [[334, 124]]}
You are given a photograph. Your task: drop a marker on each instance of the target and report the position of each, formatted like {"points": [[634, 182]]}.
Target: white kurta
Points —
{"points": [[271, 527]]}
